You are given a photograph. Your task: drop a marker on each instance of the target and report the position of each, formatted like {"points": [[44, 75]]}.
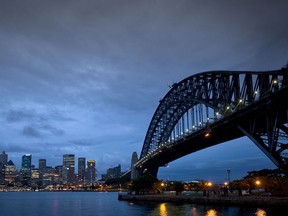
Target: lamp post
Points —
{"points": [[258, 185]]}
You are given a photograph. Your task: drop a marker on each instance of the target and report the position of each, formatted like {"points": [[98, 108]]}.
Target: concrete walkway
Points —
{"points": [[233, 200]]}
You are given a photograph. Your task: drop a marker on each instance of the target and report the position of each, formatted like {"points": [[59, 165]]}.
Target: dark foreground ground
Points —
{"points": [[230, 200]]}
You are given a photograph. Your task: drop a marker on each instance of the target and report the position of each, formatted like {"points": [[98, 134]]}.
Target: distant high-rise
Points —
{"points": [[3, 162], [91, 171], [26, 167], [81, 169], [10, 171], [58, 173], [134, 160], [42, 167], [3, 158], [114, 172], [68, 172]]}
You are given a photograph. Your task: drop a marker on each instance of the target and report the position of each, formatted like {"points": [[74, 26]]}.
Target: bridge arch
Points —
{"points": [[202, 102]]}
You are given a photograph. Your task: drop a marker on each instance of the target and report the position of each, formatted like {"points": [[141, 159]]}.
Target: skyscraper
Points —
{"points": [[81, 169], [91, 171], [68, 172], [3, 162], [42, 167], [26, 167], [3, 158]]}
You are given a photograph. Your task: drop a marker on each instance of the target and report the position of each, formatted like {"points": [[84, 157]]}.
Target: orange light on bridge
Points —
{"points": [[207, 135]]}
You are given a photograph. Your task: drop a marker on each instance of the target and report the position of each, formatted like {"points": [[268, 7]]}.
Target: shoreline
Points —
{"points": [[239, 201]]}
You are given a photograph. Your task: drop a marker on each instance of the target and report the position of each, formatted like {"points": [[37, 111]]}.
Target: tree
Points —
{"points": [[178, 187], [144, 184]]}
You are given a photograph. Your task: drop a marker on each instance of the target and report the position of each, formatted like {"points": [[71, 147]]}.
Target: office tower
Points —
{"points": [[26, 167], [10, 172], [114, 172], [3, 158], [81, 169], [91, 171], [3, 162], [134, 160], [58, 174], [68, 172], [42, 167]]}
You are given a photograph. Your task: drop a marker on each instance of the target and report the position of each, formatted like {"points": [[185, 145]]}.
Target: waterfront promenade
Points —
{"points": [[214, 200]]}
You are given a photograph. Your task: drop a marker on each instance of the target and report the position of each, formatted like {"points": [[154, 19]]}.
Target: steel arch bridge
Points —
{"points": [[216, 106]]}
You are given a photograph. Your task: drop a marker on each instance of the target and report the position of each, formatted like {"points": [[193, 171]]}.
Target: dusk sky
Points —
{"points": [[85, 77]]}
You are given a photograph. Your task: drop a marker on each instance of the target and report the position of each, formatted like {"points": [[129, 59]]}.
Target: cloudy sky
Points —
{"points": [[85, 77]]}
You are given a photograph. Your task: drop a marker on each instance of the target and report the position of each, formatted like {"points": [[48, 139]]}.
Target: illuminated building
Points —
{"points": [[10, 172], [68, 172], [91, 171], [35, 174], [81, 169], [26, 167], [58, 174]]}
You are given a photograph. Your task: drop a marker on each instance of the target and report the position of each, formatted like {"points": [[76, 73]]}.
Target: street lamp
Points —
{"points": [[258, 184]]}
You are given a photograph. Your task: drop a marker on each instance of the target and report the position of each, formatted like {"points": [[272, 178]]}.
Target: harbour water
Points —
{"points": [[107, 204]]}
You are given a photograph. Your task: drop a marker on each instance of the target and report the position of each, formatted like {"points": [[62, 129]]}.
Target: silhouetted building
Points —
{"points": [[134, 160], [91, 171], [68, 172], [3, 162], [81, 169], [26, 167], [3, 158], [114, 172]]}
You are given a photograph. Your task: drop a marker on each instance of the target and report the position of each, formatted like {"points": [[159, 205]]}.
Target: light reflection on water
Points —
{"points": [[163, 210], [260, 212], [106, 204], [211, 212]]}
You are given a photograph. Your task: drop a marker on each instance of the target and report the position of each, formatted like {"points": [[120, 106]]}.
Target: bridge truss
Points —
{"points": [[254, 104]]}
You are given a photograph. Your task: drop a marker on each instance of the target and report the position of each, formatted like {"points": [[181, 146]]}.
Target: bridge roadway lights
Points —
{"points": [[252, 104]]}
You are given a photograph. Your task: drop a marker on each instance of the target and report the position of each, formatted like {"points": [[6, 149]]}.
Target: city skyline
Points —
{"points": [[85, 78], [42, 162]]}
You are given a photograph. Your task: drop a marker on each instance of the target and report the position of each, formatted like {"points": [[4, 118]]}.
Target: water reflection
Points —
{"points": [[163, 210], [211, 212], [194, 211], [260, 212]]}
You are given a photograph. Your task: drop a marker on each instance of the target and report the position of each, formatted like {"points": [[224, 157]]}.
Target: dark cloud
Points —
{"points": [[31, 132], [53, 130], [14, 116], [86, 76]]}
